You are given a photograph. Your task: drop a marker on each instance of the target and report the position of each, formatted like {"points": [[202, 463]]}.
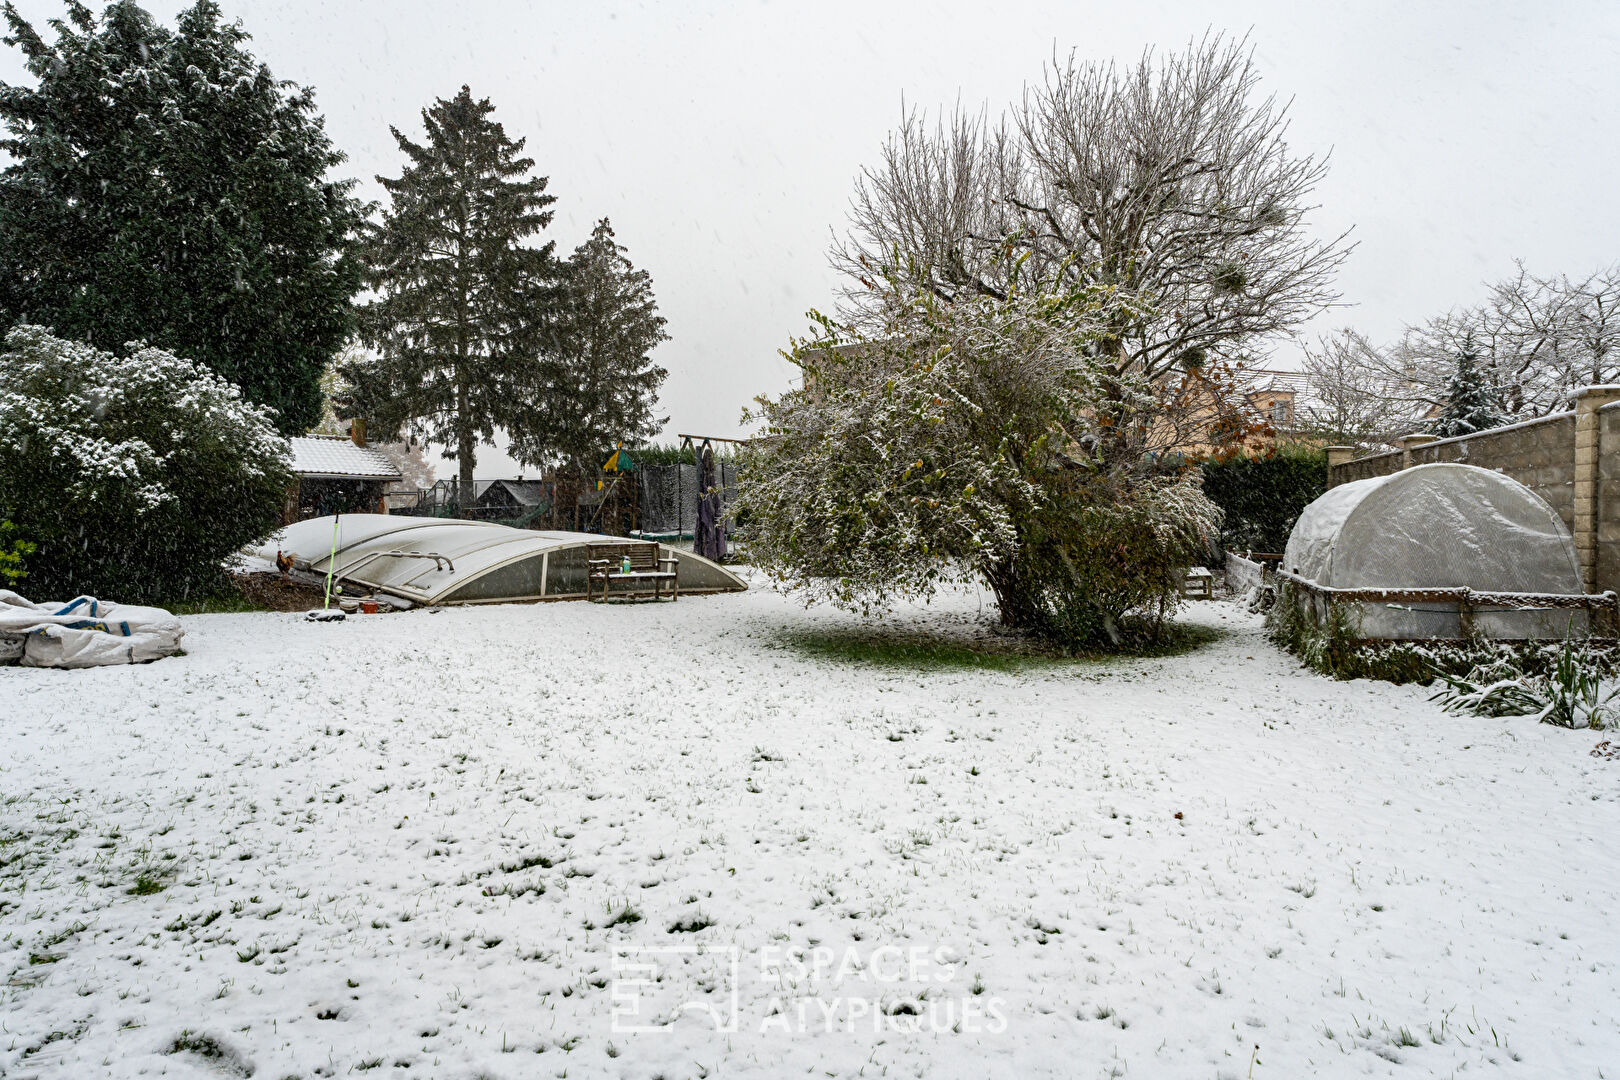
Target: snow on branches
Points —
{"points": [[957, 440], [135, 474]]}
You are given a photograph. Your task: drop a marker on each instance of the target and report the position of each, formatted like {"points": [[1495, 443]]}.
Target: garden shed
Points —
{"points": [[337, 474], [1439, 551], [520, 500], [453, 561]]}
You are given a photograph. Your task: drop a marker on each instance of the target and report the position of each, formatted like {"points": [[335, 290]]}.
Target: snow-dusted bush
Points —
{"points": [[1262, 494], [984, 438], [1571, 693], [1104, 551], [135, 476]]}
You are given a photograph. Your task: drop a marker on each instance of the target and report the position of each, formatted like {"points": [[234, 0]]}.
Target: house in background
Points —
{"points": [[1252, 409], [338, 474], [1274, 397]]}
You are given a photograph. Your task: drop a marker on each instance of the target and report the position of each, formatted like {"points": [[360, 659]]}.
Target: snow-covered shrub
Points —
{"points": [[1571, 694], [984, 438], [135, 476], [1103, 552]]}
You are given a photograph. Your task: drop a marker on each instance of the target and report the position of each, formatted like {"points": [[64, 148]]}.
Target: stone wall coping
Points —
{"points": [[1549, 418]]}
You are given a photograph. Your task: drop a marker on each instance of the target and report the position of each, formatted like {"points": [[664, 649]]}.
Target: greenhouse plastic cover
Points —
{"points": [[473, 552], [1434, 526]]}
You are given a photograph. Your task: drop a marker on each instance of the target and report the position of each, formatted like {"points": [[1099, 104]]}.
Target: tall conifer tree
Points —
{"points": [[600, 386], [165, 186], [1471, 402], [464, 298]]}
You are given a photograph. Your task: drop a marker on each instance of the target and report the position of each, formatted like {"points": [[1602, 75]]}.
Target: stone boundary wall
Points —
{"points": [[1571, 459], [1540, 454], [1608, 498]]}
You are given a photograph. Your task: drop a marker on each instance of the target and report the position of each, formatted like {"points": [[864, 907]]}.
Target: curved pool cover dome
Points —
{"points": [[1438, 526], [450, 561]]}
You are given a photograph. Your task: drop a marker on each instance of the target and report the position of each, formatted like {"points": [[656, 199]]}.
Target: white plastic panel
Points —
{"points": [[490, 562], [1434, 526]]}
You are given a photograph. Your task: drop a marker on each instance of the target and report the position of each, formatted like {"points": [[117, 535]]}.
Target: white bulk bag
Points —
{"points": [[84, 632]]}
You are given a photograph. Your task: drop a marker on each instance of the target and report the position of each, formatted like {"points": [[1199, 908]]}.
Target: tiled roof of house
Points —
{"points": [[1258, 380], [335, 457]]}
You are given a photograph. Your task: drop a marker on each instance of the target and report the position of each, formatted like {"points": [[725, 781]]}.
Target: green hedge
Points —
{"points": [[1262, 494]]}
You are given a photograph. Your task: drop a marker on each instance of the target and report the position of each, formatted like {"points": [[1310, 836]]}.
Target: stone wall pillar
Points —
{"points": [[1410, 441], [1588, 448], [1336, 456]]}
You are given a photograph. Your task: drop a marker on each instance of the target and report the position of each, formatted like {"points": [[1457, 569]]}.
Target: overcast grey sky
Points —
{"points": [[723, 139]]}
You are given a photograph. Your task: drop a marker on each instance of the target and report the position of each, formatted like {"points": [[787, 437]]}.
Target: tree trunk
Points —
{"points": [[466, 447], [1015, 598]]}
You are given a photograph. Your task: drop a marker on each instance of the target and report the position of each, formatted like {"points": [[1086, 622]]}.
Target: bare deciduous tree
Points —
{"points": [[1169, 180], [1538, 340], [1354, 398]]}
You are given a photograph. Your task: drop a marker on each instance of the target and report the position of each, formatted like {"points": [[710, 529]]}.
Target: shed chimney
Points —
{"points": [[357, 431]]}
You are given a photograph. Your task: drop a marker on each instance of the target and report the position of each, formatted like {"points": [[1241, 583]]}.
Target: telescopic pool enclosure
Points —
{"points": [[431, 561], [1440, 551]]}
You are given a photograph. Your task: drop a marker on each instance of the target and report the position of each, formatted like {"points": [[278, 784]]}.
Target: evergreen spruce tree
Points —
{"points": [[463, 299], [600, 386], [166, 187], [1471, 402]]}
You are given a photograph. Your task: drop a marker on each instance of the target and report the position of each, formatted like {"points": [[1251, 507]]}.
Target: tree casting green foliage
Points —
{"points": [[463, 300], [598, 384], [166, 187]]}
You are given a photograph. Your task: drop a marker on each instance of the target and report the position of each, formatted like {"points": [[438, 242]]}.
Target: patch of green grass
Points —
{"points": [[623, 917], [885, 647], [145, 885], [528, 861], [201, 1045], [223, 1059]]}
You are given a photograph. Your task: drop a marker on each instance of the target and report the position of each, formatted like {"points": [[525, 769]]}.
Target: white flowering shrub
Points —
{"points": [[980, 438], [135, 476]]}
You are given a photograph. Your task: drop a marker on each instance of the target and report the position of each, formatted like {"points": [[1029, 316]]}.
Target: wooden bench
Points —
{"points": [[1200, 584], [648, 574]]}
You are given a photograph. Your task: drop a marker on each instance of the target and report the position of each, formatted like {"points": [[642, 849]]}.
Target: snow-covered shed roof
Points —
{"points": [[1446, 525], [523, 492], [478, 561], [336, 457]]}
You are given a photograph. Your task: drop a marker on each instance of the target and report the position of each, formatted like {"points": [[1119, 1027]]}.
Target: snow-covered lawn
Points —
{"points": [[448, 844]]}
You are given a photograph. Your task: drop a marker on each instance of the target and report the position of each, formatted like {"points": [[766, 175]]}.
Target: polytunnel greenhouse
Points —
{"points": [[429, 561], [1459, 551]]}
